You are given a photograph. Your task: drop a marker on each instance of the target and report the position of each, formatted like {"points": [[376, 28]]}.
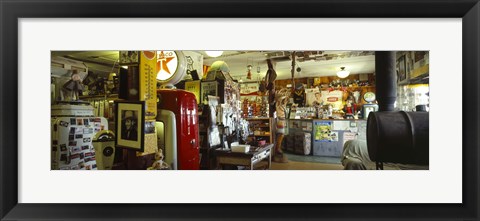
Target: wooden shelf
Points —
{"points": [[257, 118], [264, 124], [98, 96]]}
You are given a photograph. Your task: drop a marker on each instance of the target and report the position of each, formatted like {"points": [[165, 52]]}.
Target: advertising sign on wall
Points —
{"points": [[166, 64], [323, 132], [148, 83], [334, 98], [310, 96], [247, 89], [208, 88], [194, 62], [194, 87]]}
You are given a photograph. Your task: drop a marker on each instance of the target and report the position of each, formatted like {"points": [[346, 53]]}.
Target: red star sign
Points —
{"points": [[162, 62]]}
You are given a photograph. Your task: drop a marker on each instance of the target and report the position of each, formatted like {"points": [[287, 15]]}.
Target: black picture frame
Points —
{"points": [[402, 69], [11, 11], [129, 58], [138, 109]]}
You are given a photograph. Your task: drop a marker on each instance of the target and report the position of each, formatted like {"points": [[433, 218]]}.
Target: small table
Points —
{"points": [[249, 159]]}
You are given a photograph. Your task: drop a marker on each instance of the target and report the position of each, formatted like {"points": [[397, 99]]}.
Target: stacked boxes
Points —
{"points": [[303, 143], [289, 143]]}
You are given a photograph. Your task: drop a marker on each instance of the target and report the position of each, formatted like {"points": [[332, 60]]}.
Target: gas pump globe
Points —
{"points": [[171, 68]]}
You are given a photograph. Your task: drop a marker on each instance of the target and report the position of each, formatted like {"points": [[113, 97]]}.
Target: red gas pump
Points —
{"points": [[183, 105]]}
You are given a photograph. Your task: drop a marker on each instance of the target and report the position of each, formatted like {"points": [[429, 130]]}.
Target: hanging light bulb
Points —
{"points": [[214, 54], [343, 73]]}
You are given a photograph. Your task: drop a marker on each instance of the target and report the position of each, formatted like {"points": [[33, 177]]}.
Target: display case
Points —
{"points": [[262, 128]]}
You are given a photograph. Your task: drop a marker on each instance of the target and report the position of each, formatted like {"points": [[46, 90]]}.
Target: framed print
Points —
{"points": [[129, 57], [420, 64], [30, 30], [130, 126], [401, 69]]}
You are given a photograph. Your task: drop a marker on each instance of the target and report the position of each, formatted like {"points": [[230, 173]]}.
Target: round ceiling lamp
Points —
{"points": [[214, 54], [343, 73]]}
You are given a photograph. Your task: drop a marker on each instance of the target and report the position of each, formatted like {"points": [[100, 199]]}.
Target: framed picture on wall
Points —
{"points": [[129, 126], [129, 57], [401, 69]]}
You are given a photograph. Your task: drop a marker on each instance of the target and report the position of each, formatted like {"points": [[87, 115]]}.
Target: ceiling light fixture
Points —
{"points": [[214, 54], [343, 73]]}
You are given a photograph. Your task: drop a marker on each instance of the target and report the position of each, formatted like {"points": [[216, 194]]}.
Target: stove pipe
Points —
{"points": [[386, 79]]}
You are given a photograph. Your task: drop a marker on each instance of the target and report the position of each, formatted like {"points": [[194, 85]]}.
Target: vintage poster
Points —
{"points": [[334, 136], [312, 95], [150, 143], [421, 63], [334, 98], [309, 126], [194, 87], [208, 88], [247, 89], [341, 125], [194, 63], [128, 58], [323, 132]]}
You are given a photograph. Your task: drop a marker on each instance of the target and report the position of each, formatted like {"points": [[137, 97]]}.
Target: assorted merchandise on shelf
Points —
{"points": [[262, 129]]}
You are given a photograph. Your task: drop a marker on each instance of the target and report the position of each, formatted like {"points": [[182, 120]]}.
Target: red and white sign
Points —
{"points": [[247, 89], [333, 98]]}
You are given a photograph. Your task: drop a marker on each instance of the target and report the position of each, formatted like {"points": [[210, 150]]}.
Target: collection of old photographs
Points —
{"points": [[76, 153]]}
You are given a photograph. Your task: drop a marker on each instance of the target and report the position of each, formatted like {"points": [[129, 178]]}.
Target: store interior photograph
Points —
{"points": [[240, 110]]}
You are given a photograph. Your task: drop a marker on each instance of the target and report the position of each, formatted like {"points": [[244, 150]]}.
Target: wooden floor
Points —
{"points": [[293, 165]]}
